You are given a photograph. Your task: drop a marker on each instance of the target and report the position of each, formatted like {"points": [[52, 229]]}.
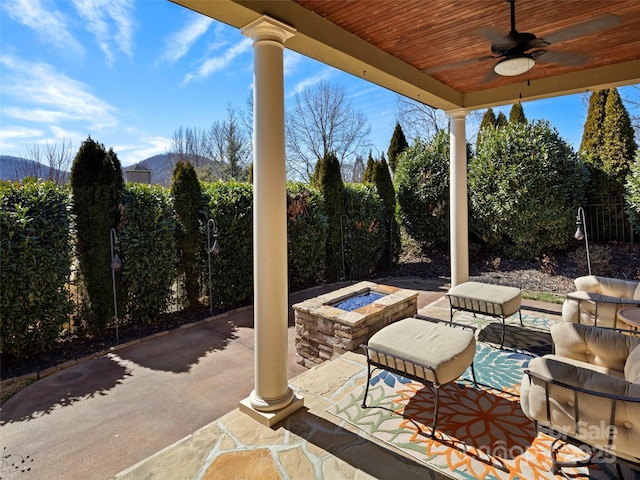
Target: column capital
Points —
{"points": [[267, 28], [458, 113]]}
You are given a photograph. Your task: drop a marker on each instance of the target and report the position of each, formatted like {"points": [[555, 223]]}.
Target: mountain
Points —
{"points": [[16, 168], [162, 166]]}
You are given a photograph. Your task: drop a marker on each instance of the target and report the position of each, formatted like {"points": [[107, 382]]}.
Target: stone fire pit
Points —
{"points": [[325, 331]]}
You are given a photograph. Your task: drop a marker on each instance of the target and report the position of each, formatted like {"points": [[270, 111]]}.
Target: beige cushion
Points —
{"points": [[590, 366], [448, 351], [636, 294], [593, 412], [597, 346], [632, 366], [509, 298], [613, 287]]}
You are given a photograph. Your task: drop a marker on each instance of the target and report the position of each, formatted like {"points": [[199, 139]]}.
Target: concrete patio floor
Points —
{"points": [[102, 415], [310, 444]]}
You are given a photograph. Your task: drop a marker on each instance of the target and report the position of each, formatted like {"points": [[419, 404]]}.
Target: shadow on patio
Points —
{"points": [[322, 440]]}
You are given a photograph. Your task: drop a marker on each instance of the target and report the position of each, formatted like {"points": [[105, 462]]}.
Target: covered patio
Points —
{"points": [[454, 56]]}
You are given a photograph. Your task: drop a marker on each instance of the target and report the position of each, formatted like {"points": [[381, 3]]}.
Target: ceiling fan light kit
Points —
{"points": [[514, 65]]}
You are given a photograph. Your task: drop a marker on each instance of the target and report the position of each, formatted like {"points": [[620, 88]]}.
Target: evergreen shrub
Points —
{"points": [[35, 262], [632, 195], [307, 229], [148, 251], [96, 184], [422, 184], [364, 233], [187, 200], [525, 184], [230, 205], [329, 181]]}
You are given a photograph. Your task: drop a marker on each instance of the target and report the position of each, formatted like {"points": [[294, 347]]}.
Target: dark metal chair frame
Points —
{"points": [[596, 452]]}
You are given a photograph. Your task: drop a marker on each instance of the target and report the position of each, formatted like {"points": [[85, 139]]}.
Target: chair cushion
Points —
{"points": [[632, 366], [636, 294], [448, 351], [509, 298]]}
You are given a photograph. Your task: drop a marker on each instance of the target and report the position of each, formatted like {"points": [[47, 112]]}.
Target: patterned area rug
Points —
{"points": [[481, 431]]}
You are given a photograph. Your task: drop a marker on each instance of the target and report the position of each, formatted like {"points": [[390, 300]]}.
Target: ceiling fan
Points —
{"points": [[517, 52]]}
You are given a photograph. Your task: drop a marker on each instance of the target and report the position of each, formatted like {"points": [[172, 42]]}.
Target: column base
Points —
{"points": [[268, 419]]}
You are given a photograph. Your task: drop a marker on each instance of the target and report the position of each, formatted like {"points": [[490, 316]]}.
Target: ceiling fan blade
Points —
{"points": [[489, 77], [584, 28], [440, 68], [563, 58], [495, 36]]}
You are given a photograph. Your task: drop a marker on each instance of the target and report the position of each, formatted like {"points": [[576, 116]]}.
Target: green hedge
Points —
{"points": [[307, 229], [148, 251], [230, 204], [37, 251], [422, 181], [35, 261], [366, 230]]}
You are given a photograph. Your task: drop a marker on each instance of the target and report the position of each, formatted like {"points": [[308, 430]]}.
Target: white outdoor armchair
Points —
{"points": [[597, 300]]}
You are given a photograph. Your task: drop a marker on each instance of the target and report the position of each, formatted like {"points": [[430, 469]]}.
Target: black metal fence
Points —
{"points": [[606, 220]]}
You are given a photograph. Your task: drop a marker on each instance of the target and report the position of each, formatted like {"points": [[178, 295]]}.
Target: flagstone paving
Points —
{"points": [[311, 444]]}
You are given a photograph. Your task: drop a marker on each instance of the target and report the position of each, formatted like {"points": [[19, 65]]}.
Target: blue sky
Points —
{"points": [[129, 73]]}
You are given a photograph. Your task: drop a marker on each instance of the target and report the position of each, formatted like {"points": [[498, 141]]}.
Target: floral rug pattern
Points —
{"points": [[481, 431]]}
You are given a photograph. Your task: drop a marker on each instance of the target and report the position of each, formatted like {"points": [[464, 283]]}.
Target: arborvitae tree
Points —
{"points": [[384, 187], [501, 120], [329, 180], [397, 146], [591, 143], [367, 177], [516, 115], [187, 198], [632, 195], [592, 137], [96, 184], [488, 119], [618, 143]]}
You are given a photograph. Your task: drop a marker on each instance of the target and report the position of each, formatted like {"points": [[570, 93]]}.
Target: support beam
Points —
{"points": [[458, 208], [272, 399]]}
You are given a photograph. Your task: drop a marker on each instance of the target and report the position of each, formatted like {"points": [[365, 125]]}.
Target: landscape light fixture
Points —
{"points": [[581, 233], [348, 222], [212, 249], [116, 264]]}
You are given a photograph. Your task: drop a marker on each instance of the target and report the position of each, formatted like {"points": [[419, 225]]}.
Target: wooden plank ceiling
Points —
{"points": [[434, 51], [433, 34]]}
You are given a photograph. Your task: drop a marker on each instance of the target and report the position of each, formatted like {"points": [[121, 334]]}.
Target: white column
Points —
{"points": [[272, 399], [458, 208]]}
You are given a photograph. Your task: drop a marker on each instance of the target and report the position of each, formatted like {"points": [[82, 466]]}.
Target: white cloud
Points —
{"points": [[9, 133], [220, 62], [179, 43], [149, 147], [308, 82], [291, 61], [47, 23], [111, 22], [40, 94]]}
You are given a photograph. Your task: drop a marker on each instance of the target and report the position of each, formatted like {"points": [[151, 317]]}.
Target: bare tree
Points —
{"points": [[423, 121], [222, 151], [323, 121], [48, 162]]}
